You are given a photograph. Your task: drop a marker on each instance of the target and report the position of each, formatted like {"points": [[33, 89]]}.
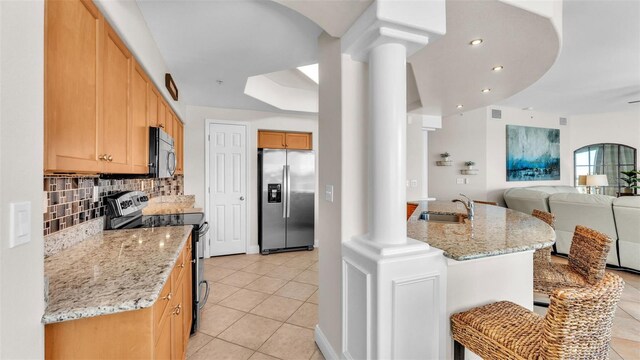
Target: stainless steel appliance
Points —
{"points": [[162, 156], [286, 184], [125, 212]]}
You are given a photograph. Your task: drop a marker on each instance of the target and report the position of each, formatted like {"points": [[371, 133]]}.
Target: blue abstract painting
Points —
{"points": [[533, 154]]}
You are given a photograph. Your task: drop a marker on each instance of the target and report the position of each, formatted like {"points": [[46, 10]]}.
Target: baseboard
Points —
{"points": [[253, 249], [323, 344]]}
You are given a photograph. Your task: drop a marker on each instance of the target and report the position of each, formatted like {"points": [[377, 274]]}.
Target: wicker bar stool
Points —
{"points": [[576, 326], [544, 255], [587, 261]]}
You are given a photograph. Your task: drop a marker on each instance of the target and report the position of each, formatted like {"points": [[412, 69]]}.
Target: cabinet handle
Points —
{"points": [[161, 126], [177, 309], [168, 297], [102, 157], [110, 158], [182, 265]]}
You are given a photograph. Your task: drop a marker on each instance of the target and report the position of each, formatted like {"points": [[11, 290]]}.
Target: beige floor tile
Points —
{"points": [[314, 298], [613, 355], [237, 264], [305, 316], [251, 331], [627, 349], [266, 284], [277, 308], [261, 356], [630, 307], [630, 294], [197, 341], [216, 273], [274, 259], [314, 267], [217, 318], [217, 260], [299, 263], [317, 355], [244, 300], [629, 279], [221, 350], [260, 268], [625, 328], [296, 290], [220, 292], [307, 277], [290, 342], [240, 279], [285, 273]]}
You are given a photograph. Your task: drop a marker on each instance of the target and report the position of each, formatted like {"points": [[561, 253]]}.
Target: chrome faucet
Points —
{"points": [[469, 205]]}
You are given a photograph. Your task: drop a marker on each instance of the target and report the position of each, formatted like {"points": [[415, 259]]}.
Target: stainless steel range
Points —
{"points": [[125, 212]]}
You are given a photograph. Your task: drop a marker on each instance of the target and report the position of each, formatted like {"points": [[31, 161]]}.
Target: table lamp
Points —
{"points": [[597, 181]]}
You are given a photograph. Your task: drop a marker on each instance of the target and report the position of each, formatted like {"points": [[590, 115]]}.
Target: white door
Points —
{"points": [[227, 189]]}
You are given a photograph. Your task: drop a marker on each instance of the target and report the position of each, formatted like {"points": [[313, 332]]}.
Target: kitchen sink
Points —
{"points": [[447, 218]]}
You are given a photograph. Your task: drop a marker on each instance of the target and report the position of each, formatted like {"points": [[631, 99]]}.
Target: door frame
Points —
{"points": [[207, 178]]}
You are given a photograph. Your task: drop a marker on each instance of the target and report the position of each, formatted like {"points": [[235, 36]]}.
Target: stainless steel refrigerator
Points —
{"points": [[286, 185]]}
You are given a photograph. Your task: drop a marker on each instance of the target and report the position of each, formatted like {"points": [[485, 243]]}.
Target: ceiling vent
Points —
{"points": [[496, 114], [563, 121]]}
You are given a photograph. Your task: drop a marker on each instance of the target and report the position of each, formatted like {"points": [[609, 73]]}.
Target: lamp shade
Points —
{"points": [[582, 180], [597, 180]]}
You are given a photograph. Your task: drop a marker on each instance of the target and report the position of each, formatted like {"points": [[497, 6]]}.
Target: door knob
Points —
{"points": [[241, 198]]}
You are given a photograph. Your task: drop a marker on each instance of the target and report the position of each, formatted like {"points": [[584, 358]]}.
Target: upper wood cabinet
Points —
{"points": [[73, 84], [301, 141], [179, 145], [162, 112], [116, 131], [284, 140], [154, 100], [139, 120]]}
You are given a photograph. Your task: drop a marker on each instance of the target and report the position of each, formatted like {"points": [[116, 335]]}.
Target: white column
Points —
{"points": [[387, 144]]}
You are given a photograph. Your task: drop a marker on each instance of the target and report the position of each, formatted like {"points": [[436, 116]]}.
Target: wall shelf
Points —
{"points": [[469, 171], [444, 162]]}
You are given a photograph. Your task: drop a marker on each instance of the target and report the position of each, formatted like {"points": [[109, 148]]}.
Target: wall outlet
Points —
{"points": [[414, 183], [44, 202], [459, 181], [328, 193], [96, 194], [20, 223]]}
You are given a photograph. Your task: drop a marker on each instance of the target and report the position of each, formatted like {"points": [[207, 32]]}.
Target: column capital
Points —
{"points": [[408, 22]]}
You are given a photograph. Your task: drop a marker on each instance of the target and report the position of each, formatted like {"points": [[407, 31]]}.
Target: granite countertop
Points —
{"points": [[111, 272], [172, 204], [494, 231]]}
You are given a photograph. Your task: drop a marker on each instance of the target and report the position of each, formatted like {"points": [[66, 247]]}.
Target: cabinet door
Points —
{"points": [[139, 121], [162, 109], [186, 294], [298, 141], [152, 107], [162, 349], [170, 122], [177, 322], [178, 130], [73, 79], [271, 140], [116, 129]]}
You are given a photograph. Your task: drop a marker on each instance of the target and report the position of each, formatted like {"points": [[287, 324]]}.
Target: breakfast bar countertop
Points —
{"points": [[111, 272], [494, 231]]}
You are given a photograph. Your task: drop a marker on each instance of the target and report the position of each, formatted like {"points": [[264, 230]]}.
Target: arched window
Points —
{"points": [[608, 159]]}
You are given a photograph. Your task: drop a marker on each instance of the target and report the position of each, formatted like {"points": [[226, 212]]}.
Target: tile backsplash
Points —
{"points": [[70, 199]]}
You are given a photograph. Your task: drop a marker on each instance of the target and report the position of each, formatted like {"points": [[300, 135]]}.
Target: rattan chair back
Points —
{"points": [[588, 253]]}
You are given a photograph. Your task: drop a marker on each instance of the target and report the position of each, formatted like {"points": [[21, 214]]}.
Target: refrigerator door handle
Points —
{"points": [[288, 191], [284, 191]]}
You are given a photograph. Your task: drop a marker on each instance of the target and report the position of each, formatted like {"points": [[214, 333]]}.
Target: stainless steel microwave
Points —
{"points": [[162, 155]]}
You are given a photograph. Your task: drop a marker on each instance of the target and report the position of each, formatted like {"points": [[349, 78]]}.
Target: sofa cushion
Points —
{"points": [[526, 200], [627, 213], [592, 211]]}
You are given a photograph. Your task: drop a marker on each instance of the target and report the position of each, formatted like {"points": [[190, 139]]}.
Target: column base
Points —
{"points": [[394, 300]]}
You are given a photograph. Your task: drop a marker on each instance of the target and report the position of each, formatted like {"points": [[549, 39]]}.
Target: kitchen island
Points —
{"points": [[488, 259]]}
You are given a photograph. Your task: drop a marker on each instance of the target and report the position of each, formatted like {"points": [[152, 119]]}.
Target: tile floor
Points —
{"points": [[259, 308], [265, 307], [625, 342]]}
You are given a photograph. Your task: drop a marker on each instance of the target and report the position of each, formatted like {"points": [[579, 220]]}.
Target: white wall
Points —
{"points": [[621, 127], [21, 159], [414, 159], [464, 137], [127, 20], [194, 148]]}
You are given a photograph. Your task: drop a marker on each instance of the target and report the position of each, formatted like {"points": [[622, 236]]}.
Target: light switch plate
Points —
{"points": [[459, 181], [19, 223], [414, 183], [328, 193]]}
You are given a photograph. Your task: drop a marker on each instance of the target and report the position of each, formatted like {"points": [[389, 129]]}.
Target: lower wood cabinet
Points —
{"points": [[158, 332]]}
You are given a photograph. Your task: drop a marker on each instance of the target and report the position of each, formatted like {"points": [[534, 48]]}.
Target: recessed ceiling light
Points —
{"points": [[219, 82], [475, 42], [460, 106], [486, 90], [497, 68]]}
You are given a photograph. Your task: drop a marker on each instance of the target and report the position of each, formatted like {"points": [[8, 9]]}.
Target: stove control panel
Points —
{"points": [[127, 203]]}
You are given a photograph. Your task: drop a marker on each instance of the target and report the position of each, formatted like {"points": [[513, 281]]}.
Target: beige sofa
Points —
{"points": [[619, 218]]}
